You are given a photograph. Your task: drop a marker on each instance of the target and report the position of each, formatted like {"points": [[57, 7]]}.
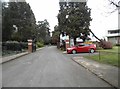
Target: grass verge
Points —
{"points": [[108, 56]]}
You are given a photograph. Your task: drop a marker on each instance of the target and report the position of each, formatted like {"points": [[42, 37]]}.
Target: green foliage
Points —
{"points": [[55, 35], [40, 44], [114, 49], [43, 31], [0, 20], [56, 32], [107, 56], [17, 14], [24, 45], [74, 18], [14, 45], [117, 44]]}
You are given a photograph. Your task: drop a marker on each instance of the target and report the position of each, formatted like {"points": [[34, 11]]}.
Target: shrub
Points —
{"points": [[14, 45], [24, 45], [40, 44], [117, 44], [106, 44]]}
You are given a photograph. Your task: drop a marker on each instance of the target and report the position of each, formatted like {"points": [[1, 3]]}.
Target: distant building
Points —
{"points": [[114, 36], [16, 0], [72, 0]]}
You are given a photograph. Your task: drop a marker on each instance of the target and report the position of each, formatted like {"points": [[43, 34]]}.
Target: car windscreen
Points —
{"points": [[83, 45]]}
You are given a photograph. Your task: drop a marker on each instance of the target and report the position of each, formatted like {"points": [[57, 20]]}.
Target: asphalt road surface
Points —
{"points": [[48, 67]]}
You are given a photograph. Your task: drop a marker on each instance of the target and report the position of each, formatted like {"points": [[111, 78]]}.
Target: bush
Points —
{"points": [[14, 45], [24, 45], [11, 45], [40, 44], [117, 44], [106, 44]]}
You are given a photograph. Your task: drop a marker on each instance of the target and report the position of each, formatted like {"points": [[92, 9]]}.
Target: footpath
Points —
{"points": [[12, 57], [106, 72]]}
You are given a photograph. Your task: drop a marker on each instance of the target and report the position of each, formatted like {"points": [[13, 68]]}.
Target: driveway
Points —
{"points": [[48, 67], [80, 54]]}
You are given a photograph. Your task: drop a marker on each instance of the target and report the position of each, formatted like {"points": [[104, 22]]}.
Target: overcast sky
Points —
{"points": [[102, 19], [45, 9]]}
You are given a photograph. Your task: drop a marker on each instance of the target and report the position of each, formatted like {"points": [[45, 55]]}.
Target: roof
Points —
{"points": [[114, 30]]}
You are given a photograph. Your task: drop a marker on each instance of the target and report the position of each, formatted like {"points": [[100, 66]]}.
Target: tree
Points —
{"points": [[0, 21], [55, 35], [43, 31], [6, 22], [18, 21], [74, 19], [116, 4]]}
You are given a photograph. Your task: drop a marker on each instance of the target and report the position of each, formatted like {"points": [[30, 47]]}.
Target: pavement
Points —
{"points": [[48, 68], [106, 72], [12, 57]]}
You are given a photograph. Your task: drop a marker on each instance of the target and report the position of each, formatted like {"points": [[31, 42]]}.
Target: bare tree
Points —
{"points": [[115, 3]]}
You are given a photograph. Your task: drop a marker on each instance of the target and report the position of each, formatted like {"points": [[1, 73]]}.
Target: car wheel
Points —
{"points": [[92, 50], [74, 51]]}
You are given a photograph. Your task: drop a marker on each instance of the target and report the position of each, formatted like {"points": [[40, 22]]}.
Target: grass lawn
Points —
{"points": [[114, 49], [108, 56]]}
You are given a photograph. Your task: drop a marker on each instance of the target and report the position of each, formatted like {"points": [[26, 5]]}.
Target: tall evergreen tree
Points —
{"points": [[43, 31], [55, 35], [74, 19], [0, 21], [18, 21]]}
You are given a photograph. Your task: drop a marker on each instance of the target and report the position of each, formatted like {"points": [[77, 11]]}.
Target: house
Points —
{"points": [[114, 36]]}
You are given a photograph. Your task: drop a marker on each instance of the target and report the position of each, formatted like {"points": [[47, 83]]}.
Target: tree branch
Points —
{"points": [[112, 2], [115, 4]]}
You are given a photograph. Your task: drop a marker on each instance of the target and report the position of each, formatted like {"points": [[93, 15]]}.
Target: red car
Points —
{"points": [[82, 48]]}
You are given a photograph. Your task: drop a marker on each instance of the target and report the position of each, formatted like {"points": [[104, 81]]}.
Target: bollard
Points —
{"points": [[67, 42], [30, 46]]}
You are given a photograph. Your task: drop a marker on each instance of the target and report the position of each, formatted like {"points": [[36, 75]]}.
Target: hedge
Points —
{"points": [[14, 45]]}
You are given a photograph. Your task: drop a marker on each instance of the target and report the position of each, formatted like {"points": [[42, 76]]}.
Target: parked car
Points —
{"points": [[82, 48]]}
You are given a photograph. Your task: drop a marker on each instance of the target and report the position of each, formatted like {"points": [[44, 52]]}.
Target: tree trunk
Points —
{"points": [[95, 35], [104, 44], [75, 41]]}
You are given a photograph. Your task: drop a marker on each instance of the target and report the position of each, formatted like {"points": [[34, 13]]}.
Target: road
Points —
{"points": [[48, 67]]}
